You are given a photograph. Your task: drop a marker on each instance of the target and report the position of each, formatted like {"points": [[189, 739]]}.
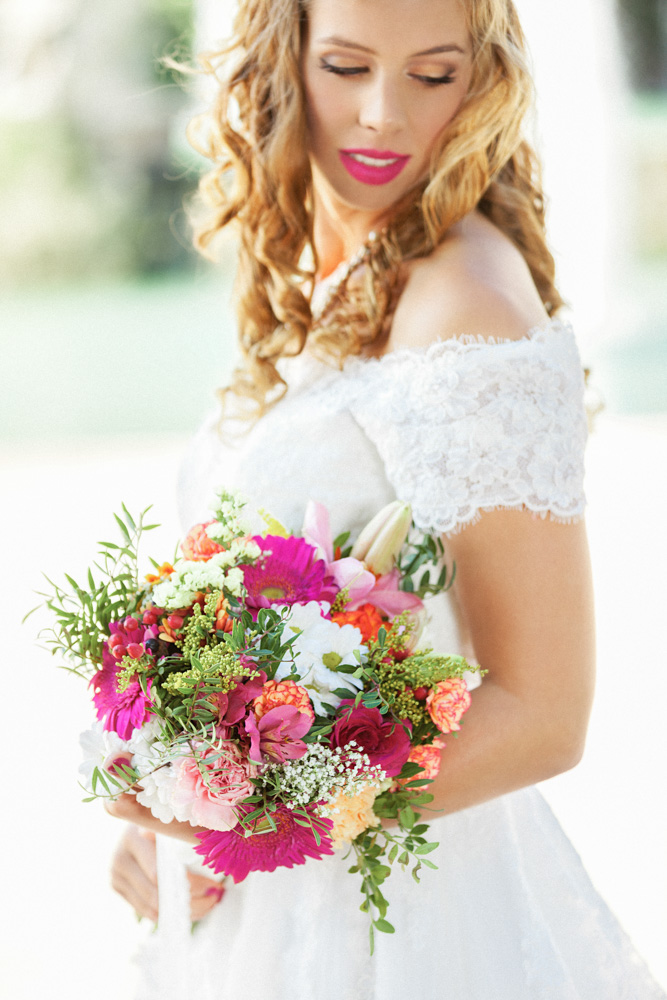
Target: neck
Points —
{"points": [[339, 231]]}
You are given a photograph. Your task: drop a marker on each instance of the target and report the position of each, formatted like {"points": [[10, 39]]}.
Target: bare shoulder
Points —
{"points": [[476, 283]]}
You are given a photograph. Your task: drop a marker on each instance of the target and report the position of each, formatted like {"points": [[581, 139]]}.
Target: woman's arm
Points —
{"points": [[523, 584]]}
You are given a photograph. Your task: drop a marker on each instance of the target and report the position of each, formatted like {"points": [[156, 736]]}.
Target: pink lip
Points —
{"points": [[368, 174]]}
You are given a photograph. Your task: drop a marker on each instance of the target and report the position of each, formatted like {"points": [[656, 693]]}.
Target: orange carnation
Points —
{"points": [[277, 693], [351, 815], [428, 757], [367, 619], [447, 702], [197, 546]]}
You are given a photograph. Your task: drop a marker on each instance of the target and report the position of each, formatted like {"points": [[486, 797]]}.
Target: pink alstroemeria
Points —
{"points": [[386, 596], [276, 737], [233, 705]]}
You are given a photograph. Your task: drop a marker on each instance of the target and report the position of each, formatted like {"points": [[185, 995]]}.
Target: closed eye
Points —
{"points": [[434, 81], [343, 70]]}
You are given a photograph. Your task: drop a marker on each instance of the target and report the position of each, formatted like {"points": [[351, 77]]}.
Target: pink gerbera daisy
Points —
{"points": [[264, 850], [289, 572]]}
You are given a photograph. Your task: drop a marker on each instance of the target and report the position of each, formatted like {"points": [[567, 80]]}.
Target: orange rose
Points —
{"points": [[277, 693], [367, 619], [447, 702], [197, 546]]}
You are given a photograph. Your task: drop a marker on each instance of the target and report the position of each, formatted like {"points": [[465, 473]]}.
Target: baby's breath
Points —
{"points": [[322, 774]]}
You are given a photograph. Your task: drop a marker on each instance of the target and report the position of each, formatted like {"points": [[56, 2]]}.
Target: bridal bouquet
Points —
{"points": [[268, 688]]}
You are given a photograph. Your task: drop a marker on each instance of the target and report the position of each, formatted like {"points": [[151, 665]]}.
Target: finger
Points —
{"points": [[200, 908], [200, 885], [126, 807], [141, 843], [133, 886]]}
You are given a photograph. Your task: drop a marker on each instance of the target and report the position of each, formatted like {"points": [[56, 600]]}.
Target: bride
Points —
{"points": [[400, 337]]}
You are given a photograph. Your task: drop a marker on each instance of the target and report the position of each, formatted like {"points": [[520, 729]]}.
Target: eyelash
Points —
{"points": [[429, 81]]}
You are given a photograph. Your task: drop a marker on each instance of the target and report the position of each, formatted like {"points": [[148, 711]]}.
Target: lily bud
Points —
{"points": [[382, 539]]}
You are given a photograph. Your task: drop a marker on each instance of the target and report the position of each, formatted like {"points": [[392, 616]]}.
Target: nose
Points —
{"points": [[381, 107]]}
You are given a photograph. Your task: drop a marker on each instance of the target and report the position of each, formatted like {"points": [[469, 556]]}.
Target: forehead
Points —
{"points": [[390, 26]]}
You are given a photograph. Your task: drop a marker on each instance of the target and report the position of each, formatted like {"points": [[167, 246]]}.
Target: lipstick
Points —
{"points": [[372, 166]]}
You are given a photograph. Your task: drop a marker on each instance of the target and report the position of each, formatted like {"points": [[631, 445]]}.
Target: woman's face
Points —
{"points": [[382, 79]]}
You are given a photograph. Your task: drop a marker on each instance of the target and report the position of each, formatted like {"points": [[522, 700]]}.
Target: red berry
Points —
{"points": [[135, 650], [149, 617], [174, 621], [421, 693], [131, 623], [119, 652], [115, 640]]}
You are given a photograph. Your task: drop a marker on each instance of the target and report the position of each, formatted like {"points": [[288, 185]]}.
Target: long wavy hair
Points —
{"points": [[255, 135]]}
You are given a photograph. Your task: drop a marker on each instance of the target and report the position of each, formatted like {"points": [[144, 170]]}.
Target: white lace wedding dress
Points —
{"points": [[510, 914]]}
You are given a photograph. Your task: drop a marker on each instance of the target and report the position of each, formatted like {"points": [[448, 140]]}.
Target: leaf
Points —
{"points": [[425, 848], [407, 817], [392, 854], [122, 526], [429, 864], [384, 926]]}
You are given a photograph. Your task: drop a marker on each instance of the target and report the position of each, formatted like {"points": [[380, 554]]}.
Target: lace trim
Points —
{"points": [[470, 424]]}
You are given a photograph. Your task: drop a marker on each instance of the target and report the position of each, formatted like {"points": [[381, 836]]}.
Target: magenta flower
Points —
{"points": [[386, 742], [277, 736], [288, 573], [264, 849], [123, 711], [232, 705]]}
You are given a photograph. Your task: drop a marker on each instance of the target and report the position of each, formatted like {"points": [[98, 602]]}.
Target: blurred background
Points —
{"points": [[114, 335]]}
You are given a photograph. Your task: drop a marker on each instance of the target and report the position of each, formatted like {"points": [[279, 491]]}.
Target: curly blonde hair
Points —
{"points": [[255, 134]]}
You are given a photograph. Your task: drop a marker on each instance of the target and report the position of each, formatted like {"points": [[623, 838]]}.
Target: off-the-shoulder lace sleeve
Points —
{"points": [[471, 425]]}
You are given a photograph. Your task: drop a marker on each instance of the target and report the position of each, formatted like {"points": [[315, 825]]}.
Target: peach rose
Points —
{"points": [[428, 757], [277, 693], [447, 702], [352, 814], [197, 546]]}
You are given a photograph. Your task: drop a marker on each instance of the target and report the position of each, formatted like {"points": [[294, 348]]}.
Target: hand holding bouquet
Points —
{"points": [[268, 688]]}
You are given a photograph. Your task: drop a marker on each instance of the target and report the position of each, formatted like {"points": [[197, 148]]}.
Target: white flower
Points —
{"points": [[190, 577], [101, 747], [152, 761], [234, 581], [320, 647]]}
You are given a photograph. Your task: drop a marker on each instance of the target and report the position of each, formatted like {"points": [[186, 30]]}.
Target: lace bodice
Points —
{"points": [[460, 427]]}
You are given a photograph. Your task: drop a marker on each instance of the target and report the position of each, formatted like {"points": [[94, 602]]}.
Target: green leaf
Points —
{"points": [[384, 926], [425, 848], [407, 817], [429, 864]]}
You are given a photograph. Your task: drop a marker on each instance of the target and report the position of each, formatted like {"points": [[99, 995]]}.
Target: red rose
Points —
{"points": [[386, 742]]}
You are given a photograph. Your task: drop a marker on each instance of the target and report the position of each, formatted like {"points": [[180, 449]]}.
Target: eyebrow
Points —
{"points": [[345, 44]]}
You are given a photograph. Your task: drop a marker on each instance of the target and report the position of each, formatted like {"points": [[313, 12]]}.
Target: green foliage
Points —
{"points": [[422, 556], [83, 613], [378, 849]]}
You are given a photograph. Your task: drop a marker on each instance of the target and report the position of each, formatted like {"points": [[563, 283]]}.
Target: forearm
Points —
{"points": [[505, 743]]}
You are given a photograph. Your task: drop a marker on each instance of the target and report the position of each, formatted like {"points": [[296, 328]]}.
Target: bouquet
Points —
{"points": [[268, 688]]}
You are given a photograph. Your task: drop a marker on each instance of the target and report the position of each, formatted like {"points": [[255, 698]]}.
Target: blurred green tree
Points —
{"points": [[644, 24]]}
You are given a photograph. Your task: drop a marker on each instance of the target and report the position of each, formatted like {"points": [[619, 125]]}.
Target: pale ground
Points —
{"points": [[68, 935]]}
